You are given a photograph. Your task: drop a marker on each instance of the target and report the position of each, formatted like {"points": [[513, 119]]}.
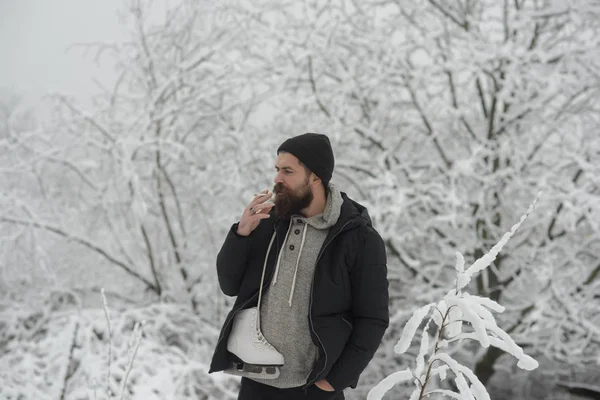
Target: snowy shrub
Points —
{"points": [[453, 316], [167, 360], [63, 354], [35, 347]]}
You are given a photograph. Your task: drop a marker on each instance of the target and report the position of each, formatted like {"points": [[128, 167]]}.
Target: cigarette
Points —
{"points": [[271, 195]]}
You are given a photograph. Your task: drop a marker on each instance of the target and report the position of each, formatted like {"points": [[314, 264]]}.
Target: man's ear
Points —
{"points": [[315, 179]]}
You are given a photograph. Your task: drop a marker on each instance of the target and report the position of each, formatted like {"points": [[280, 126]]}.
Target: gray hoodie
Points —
{"points": [[285, 304]]}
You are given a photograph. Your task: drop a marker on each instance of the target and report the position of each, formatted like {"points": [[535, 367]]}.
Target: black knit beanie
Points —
{"points": [[314, 151]]}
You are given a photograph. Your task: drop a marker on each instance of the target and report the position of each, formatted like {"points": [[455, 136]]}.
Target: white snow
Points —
{"points": [[386, 384], [410, 328]]}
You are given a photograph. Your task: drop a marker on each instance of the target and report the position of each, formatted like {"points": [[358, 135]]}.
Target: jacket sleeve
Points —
{"points": [[231, 261], [370, 310]]}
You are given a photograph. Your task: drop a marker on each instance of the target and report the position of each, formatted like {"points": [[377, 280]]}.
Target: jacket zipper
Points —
{"points": [[348, 322], [311, 300]]}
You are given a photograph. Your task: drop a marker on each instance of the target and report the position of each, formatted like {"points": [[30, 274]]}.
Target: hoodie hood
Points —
{"points": [[331, 214], [360, 210]]}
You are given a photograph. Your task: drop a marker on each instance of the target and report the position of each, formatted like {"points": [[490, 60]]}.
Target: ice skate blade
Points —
{"points": [[239, 361], [253, 371]]}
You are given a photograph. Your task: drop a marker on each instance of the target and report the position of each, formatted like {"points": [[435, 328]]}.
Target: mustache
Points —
{"points": [[278, 188]]}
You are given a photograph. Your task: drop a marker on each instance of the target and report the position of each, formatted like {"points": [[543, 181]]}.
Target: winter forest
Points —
{"points": [[449, 120]]}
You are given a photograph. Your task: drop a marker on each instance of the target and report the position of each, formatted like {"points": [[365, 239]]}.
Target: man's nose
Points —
{"points": [[278, 178]]}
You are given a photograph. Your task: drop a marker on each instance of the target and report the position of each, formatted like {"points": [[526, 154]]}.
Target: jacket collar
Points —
{"points": [[352, 215]]}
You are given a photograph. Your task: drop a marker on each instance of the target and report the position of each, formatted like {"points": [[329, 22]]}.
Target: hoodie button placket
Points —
{"points": [[293, 240], [297, 231]]}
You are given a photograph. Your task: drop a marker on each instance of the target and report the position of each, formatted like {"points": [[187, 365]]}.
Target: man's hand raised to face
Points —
{"points": [[256, 211]]}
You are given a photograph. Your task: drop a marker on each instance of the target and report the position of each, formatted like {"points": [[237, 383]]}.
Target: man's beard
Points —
{"points": [[288, 203]]}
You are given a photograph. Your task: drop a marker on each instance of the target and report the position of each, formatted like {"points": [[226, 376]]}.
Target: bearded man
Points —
{"points": [[315, 268]]}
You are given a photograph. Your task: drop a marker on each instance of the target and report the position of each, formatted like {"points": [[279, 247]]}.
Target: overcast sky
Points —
{"points": [[34, 39]]}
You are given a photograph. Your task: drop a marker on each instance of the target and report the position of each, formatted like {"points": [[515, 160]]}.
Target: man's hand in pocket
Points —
{"points": [[324, 385]]}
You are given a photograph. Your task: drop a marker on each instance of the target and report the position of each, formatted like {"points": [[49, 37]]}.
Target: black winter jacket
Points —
{"points": [[348, 312]]}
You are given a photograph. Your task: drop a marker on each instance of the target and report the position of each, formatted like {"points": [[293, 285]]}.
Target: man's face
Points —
{"points": [[292, 186]]}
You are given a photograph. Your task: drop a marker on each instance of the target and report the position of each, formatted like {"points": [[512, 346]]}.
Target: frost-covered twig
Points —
{"points": [[95, 247], [464, 277], [105, 306], [134, 344], [67, 372], [455, 310], [137, 337]]}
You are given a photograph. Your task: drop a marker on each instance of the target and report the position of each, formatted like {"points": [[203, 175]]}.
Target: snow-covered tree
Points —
{"points": [[133, 181]]}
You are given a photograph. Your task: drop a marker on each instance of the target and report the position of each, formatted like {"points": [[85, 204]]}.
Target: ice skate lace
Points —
{"points": [[262, 339], [260, 336]]}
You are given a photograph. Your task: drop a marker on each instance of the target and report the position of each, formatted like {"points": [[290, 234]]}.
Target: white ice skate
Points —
{"points": [[252, 355]]}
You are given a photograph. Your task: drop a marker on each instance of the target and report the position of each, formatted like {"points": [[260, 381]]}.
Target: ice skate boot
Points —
{"points": [[252, 355]]}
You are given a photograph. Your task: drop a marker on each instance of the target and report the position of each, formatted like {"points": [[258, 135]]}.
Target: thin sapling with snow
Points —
{"points": [[453, 315]]}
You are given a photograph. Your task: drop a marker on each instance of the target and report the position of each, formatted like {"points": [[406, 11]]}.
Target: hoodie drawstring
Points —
{"points": [[262, 280]]}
